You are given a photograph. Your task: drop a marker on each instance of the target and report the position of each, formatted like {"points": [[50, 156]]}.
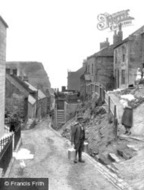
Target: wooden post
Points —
{"points": [[100, 94], [108, 104], [56, 123], [114, 111], [104, 94], [109, 111], [115, 122]]}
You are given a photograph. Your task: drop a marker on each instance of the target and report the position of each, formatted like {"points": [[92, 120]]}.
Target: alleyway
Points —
{"points": [[50, 161]]}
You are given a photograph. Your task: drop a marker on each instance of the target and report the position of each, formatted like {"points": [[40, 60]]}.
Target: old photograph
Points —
{"points": [[71, 95]]}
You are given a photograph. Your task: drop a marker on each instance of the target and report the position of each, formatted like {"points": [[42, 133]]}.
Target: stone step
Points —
{"points": [[111, 177], [113, 157]]}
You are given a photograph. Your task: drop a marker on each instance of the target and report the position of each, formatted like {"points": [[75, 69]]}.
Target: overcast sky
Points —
{"points": [[61, 33]]}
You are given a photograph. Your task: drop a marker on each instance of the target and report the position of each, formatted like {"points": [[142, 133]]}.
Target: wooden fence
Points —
{"points": [[7, 146], [99, 88], [6, 149], [17, 135]]}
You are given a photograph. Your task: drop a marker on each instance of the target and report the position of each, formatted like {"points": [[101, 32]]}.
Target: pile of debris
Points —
{"points": [[100, 135], [133, 96], [118, 152]]}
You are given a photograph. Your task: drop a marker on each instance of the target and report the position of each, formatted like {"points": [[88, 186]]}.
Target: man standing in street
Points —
{"points": [[77, 138]]}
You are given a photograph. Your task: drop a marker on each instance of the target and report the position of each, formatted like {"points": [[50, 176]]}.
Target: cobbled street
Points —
{"points": [[51, 161]]}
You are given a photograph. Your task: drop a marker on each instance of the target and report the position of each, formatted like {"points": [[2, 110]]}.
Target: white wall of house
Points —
{"points": [[3, 27]]}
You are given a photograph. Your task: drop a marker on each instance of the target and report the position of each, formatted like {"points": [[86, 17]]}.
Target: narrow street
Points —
{"points": [[51, 161]]}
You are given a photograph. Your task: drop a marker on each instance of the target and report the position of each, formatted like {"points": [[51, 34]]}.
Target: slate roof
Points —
{"points": [[31, 100], [137, 32], [30, 86], [41, 95], [22, 83], [108, 51], [124, 41], [2, 20]]}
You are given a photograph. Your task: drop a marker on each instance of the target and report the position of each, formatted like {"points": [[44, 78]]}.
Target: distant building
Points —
{"points": [[24, 99], [128, 57], [31, 71], [74, 79], [99, 67], [17, 94], [3, 31]]}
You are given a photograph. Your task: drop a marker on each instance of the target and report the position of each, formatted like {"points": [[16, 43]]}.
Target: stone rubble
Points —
{"points": [[123, 156]]}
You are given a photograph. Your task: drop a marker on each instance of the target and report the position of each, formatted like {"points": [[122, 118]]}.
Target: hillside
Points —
{"points": [[35, 72], [121, 153]]}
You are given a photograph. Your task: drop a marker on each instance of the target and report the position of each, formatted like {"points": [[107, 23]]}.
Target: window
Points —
{"points": [[115, 56], [123, 57], [123, 77], [123, 53], [92, 69]]}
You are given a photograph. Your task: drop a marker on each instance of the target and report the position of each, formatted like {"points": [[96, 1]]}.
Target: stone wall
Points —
{"points": [[3, 28], [44, 108], [70, 110], [120, 64], [135, 57], [91, 67], [104, 71]]}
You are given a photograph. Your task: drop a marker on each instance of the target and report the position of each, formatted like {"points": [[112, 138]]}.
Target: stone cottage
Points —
{"points": [[37, 102], [3, 33], [128, 57], [16, 97], [99, 66]]}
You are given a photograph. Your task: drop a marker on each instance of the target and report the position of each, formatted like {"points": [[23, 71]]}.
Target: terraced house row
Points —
{"points": [[114, 66]]}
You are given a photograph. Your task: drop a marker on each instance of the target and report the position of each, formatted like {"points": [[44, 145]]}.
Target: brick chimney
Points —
{"points": [[120, 33], [118, 37], [15, 72], [104, 44], [63, 88]]}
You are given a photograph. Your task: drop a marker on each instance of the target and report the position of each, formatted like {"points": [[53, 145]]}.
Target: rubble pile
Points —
{"points": [[137, 93], [100, 135], [132, 170], [122, 154]]}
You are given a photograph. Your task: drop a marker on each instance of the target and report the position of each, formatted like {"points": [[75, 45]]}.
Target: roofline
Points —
{"points": [[104, 56], [3, 21], [95, 54], [124, 41]]}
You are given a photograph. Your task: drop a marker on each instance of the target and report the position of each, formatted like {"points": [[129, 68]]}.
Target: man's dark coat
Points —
{"points": [[77, 136]]}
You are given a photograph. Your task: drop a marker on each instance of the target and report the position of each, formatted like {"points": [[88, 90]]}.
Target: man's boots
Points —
{"points": [[80, 157], [75, 160]]}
